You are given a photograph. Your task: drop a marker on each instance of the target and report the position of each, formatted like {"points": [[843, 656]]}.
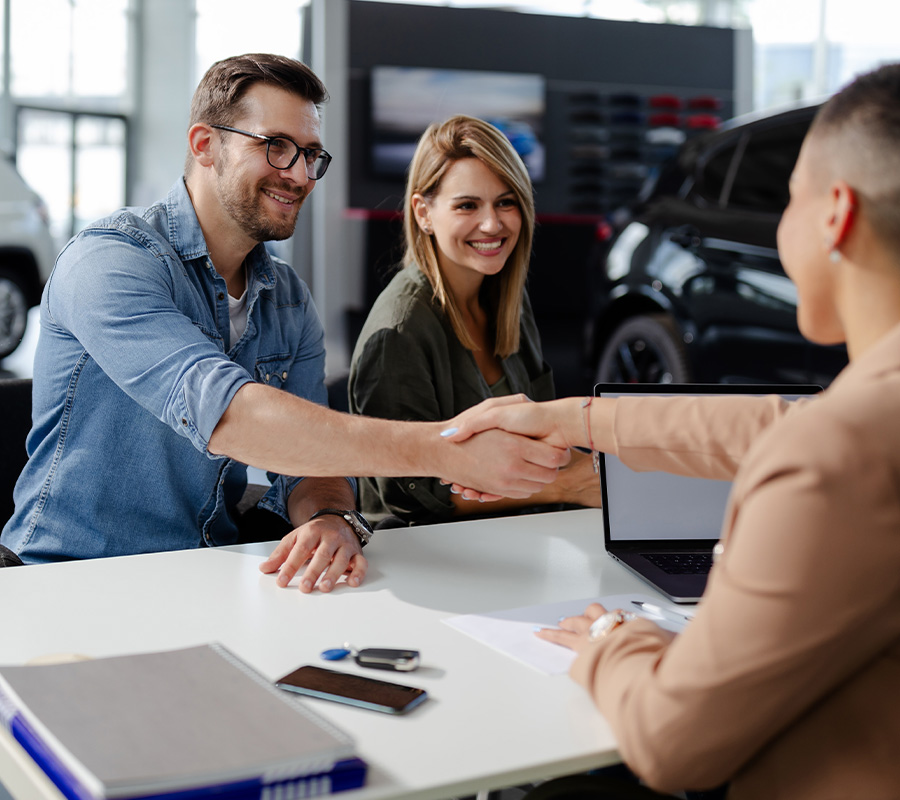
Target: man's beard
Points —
{"points": [[244, 204]]}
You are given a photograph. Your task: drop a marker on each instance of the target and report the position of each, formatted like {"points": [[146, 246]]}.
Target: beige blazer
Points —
{"points": [[787, 682]]}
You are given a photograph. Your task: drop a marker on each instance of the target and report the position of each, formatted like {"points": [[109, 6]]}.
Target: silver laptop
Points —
{"points": [[663, 527]]}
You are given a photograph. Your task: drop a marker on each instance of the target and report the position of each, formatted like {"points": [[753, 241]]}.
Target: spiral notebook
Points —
{"points": [[178, 724]]}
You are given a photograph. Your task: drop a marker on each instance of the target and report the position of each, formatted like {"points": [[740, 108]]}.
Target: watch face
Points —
{"points": [[361, 520]]}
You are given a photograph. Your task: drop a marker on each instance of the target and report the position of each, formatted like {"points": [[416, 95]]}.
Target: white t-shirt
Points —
{"points": [[237, 316]]}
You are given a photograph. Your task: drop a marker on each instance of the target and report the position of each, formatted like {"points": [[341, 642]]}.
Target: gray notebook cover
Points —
{"points": [[152, 722]]}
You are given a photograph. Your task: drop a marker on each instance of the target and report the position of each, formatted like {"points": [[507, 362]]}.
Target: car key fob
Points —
{"points": [[376, 657], [387, 658]]}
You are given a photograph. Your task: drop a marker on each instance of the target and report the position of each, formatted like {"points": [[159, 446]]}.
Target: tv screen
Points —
{"points": [[406, 100]]}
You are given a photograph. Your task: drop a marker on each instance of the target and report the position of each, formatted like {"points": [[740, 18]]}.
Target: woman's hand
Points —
{"points": [[573, 631], [517, 414]]}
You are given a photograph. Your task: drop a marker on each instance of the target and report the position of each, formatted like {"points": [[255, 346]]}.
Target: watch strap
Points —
{"points": [[352, 518]]}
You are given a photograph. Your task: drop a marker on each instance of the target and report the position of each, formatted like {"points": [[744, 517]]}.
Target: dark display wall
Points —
{"points": [[617, 93], [618, 96]]}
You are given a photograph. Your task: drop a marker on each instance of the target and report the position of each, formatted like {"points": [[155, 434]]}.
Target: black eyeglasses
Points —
{"points": [[282, 153]]}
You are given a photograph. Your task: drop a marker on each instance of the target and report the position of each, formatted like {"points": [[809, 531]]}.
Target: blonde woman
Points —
{"points": [[455, 325]]}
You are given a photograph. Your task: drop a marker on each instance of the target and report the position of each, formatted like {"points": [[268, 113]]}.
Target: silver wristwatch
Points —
{"points": [[608, 622], [353, 518]]}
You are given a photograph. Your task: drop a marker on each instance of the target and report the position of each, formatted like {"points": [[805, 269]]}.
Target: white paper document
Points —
{"points": [[512, 631]]}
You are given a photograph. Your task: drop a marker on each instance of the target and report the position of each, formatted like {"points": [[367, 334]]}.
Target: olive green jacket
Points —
{"points": [[409, 365]]}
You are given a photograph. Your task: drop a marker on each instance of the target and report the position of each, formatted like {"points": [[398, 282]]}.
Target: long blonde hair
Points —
{"points": [[440, 146]]}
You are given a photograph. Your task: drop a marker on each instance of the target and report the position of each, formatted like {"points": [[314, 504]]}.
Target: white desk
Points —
{"points": [[490, 721]]}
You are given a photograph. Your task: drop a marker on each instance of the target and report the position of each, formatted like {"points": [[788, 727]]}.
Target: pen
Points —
{"points": [[658, 611]]}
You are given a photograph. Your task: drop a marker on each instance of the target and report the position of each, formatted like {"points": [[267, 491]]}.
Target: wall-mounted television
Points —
{"points": [[406, 100]]}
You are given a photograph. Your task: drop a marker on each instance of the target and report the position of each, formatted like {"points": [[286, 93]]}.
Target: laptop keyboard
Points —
{"points": [[682, 563]]}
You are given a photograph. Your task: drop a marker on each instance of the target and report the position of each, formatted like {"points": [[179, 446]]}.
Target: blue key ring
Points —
{"points": [[335, 654]]}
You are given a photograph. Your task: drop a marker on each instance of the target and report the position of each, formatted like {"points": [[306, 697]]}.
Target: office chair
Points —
{"points": [[593, 787], [15, 422], [338, 399], [611, 783]]}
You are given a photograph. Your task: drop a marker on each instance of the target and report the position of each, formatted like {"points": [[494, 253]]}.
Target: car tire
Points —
{"points": [[13, 311], [645, 349]]}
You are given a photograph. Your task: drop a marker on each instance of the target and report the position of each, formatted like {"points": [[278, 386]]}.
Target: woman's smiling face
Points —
{"points": [[475, 219]]}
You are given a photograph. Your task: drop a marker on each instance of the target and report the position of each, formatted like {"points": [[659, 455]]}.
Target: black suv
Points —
{"points": [[691, 289]]}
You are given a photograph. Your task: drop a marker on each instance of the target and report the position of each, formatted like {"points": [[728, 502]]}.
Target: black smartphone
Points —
{"points": [[355, 690]]}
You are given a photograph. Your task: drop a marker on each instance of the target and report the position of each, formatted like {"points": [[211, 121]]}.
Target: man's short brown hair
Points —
{"points": [[218, 99]]}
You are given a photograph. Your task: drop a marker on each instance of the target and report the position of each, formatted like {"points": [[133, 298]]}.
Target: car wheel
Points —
{"points": [[13, 312], [646, 349]]}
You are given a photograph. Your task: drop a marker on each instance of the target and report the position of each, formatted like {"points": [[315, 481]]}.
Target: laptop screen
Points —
{"points": [[657, 506]]}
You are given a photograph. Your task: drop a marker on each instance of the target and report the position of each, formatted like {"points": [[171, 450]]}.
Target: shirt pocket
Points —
{"points": [[274, 370]]}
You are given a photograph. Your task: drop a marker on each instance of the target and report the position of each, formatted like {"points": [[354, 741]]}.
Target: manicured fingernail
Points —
{"points": [[454, 491], [561, 619], [480, 499], [307, 586], [449, 432], [325, 585], [354, 581], [537, 628]]}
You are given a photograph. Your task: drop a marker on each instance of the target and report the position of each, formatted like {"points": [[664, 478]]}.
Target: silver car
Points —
{"points": [[27, 252]]}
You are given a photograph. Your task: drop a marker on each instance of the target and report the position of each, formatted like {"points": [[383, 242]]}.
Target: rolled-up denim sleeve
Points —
{"points": [[112, 290], [306, 379]]}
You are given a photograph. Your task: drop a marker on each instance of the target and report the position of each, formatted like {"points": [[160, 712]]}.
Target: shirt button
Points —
{"points": [[221, 295], [284, 375], [412, 485], [267, 377]]}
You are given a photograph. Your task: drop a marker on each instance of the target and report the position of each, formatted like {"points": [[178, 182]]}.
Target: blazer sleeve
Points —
{"points": [[705, 437], [779, 645]]}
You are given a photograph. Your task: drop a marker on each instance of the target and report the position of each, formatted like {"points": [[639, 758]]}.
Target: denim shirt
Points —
{"points": [[133, 370]]}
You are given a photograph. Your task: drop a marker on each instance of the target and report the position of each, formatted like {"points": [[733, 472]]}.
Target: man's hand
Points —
{"points": [[329, 548], [516, 414], [501, 464]]}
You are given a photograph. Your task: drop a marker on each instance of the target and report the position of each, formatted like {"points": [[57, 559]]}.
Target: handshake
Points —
{"points": [[519, 446]]}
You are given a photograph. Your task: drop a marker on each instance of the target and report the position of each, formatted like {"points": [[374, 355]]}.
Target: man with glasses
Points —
{"points": [[175, 350]]}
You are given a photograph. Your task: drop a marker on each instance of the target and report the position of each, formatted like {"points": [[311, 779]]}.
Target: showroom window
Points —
{"points": [[75, 161], [68, 83], [279, 30], [67, 49]]}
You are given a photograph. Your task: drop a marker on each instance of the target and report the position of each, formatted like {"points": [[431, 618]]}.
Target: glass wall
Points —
{"points": [[274, 27], [69, 49], [810, 48], [69, 93]]}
